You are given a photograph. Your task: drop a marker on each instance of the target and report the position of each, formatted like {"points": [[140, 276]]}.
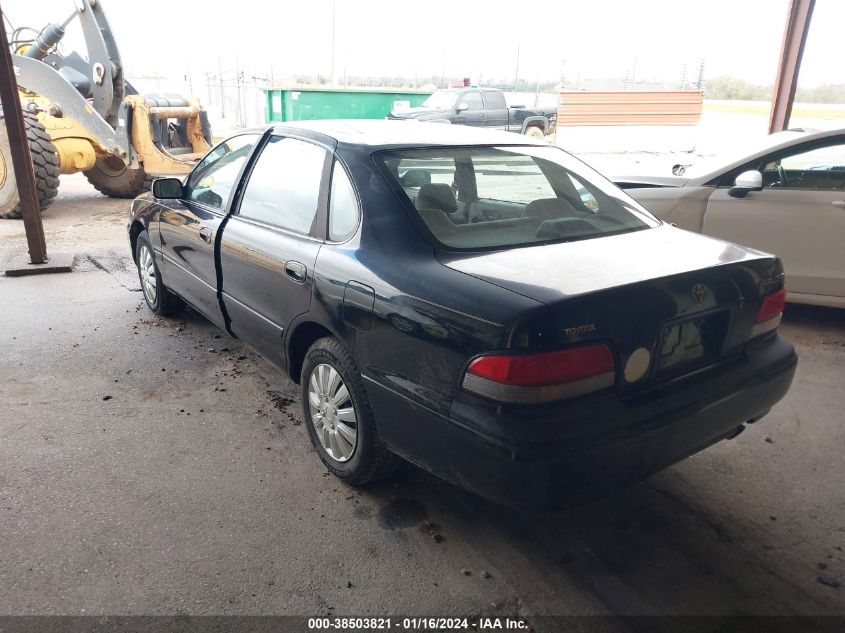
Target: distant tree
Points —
{"points": [[825, 93], [734, 88]]}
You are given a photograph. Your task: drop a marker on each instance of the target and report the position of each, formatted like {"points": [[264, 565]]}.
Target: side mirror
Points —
{"points": [[751, 180], [167, 188], [462, 107]]}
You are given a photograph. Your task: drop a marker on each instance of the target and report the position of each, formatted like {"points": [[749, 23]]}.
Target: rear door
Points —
{"points": [[799, 215], [497, 109], [188, 227], [270, 242]]}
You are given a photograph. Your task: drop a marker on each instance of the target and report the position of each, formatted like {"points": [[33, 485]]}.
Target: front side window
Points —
{"points": [[472, 100], [343, 206], [440, 100], [284, 186], [510, 196], [214, 177], [816, 168]]}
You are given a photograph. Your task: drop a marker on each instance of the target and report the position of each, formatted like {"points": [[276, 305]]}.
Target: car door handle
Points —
{"points": [[838, 203], [295, 271], [205, 234]]}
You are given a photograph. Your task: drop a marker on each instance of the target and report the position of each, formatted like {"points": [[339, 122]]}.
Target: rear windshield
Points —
{"points": [[492, 197]]}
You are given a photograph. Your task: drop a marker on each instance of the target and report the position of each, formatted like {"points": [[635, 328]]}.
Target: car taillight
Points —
{"points": [[770, 313], [525, 378]]}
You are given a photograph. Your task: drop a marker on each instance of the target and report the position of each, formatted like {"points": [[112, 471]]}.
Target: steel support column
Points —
{"points": [[792, 50], [21, 158]]}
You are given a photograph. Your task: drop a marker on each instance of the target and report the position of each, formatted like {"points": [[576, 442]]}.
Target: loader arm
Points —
{"points": [[107, 89], [86, 118]]}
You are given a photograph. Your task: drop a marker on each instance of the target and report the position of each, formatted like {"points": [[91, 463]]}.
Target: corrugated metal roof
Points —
{"points": [[630, 108]]}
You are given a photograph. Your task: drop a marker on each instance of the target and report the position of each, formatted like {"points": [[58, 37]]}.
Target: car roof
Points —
{"points": [[379, 133], [721, 164]]}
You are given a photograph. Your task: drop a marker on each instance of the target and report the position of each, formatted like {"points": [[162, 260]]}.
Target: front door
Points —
{"points": [[799, 216], [474, 113], [269, 245], [188, 227]]}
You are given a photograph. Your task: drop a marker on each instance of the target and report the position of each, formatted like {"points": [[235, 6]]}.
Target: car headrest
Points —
{"points": [[549, 209], [437, 195]]}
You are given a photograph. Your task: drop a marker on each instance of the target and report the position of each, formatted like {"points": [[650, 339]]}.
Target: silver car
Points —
{"points": [[786, 196]]}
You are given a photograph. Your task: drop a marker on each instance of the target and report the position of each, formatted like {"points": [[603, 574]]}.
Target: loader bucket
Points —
{"points": [[152, 139]]}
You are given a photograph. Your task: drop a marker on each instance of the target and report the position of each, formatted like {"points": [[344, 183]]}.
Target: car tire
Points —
{"points": [[330, 413], [158, 297], [535, 132]]}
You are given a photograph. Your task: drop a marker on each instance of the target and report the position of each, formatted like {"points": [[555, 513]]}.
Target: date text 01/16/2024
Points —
{"points": [[417, 624]]}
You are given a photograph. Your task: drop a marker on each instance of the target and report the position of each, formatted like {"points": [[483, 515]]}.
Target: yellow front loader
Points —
{"points": [[81, 115]]}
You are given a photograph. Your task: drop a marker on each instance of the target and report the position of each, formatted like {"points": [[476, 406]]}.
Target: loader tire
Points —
{"points": [[45, 163], [114, 179]]}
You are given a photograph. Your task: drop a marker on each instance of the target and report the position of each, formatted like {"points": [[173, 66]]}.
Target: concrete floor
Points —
{"points": [[152, 466]]}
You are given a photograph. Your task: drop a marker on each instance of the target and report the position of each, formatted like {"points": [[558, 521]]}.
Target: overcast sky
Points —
{"points": [[593, 39]]}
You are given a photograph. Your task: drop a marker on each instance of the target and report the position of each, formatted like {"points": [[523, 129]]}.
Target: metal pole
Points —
{"points": [[222, 92], [238, 91], [516, 72], [21, 158], [798, 18]]}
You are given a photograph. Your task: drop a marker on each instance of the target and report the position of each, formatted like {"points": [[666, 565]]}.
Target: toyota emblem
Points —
{"points": [[699, 293]]}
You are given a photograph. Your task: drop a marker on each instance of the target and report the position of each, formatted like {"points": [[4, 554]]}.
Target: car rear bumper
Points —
{"points": [[555, 456]]}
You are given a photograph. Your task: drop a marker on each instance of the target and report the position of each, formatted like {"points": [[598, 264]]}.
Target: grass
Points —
{"points": [[762, 108]]}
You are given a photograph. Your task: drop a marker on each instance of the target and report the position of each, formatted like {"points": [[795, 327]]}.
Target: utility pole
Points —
{"points": [[634, 75], [334, 11], [222, 93], [238, 79], [516, 72]]}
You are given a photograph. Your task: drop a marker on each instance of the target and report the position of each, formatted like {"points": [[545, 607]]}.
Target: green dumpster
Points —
{"points": [[302, 104]]}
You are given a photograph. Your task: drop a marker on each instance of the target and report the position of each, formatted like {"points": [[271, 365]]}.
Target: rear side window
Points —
{"points": [[495, 100], [510, 196], [284, 187], [343, 206], [212, 180]]}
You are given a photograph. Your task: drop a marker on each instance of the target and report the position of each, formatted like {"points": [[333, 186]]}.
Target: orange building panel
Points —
{"points": [[630, 108]]}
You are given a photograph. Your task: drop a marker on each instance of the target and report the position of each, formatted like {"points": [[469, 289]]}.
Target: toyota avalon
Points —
{"points": [[481, 304]]}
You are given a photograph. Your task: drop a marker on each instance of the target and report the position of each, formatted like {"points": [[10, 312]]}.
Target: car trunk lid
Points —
{"points": [[667, 301]]}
